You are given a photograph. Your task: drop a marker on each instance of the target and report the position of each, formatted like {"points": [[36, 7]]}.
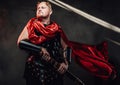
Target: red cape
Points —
{"points": [[93, 58]]}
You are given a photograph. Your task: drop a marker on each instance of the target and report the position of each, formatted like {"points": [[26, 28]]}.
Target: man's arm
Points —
{"points": [[66, 51], [23, 35], [64, 66]]}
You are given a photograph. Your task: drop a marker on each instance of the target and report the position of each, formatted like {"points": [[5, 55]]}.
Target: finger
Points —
{"points": [[64, 69], [47, 54], [44, 56], [47, 58], [61, 69]]}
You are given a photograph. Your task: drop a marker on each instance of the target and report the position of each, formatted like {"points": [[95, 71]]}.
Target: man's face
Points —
{"points": [[43, 10]]}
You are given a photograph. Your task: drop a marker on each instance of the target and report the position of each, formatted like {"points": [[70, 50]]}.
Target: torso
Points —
{"points": [[37, 68]]}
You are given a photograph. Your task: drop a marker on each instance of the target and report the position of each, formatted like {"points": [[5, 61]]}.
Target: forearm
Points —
{"points": [[64, 46], [67, 54]]}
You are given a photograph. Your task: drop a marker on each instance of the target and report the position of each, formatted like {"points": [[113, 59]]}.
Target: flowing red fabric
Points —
{"points": [[93, 58], [47, 32]]}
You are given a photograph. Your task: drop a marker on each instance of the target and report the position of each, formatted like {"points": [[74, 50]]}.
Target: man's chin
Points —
{"points": [[41, 17]]}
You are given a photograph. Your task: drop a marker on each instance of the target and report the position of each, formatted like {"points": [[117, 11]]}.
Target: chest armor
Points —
{"points": [[54, 48], [40, 69]]}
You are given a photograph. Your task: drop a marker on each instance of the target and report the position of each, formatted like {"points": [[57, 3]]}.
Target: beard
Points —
{"points": [[42, 16]]}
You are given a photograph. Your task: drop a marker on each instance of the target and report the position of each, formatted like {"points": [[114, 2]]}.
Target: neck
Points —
{"points": [[45, 20]]}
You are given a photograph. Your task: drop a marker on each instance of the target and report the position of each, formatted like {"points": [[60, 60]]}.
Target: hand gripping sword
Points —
{"points": [[26, 45]]}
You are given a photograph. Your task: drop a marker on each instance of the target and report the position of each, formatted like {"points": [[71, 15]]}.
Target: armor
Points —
{"points": [[37, 68]]}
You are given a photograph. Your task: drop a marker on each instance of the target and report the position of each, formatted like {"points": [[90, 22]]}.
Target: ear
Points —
{"points": [[51, 12]]}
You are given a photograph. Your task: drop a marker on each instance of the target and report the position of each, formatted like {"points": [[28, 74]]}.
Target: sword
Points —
{"points": [[26, 45]]}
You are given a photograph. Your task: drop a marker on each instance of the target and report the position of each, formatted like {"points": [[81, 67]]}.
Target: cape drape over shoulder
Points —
{"points": [[93, 58]]}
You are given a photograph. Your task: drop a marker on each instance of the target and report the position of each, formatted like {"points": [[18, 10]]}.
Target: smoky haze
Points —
{"points": [[14, 15]]}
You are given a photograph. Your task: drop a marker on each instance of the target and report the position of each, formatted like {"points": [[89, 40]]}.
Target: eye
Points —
{"points": [[43, 7]]}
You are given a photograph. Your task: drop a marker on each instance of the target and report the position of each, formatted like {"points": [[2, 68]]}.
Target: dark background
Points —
{"points": [[14, 14]]}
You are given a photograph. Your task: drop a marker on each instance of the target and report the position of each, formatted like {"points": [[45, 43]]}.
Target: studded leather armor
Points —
{"points": [[36, 68]]}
